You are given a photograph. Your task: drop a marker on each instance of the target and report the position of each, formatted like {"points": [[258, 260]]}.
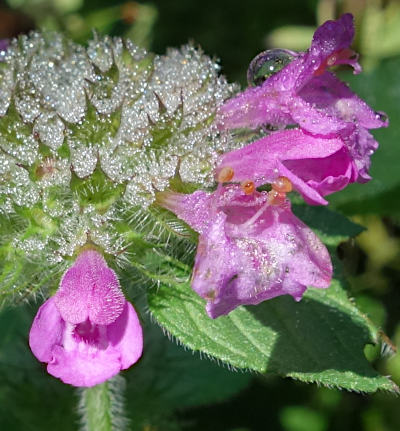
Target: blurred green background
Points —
{"points": [[176, 390]]}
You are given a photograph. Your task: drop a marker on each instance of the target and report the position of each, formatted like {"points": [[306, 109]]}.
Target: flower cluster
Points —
{"points": [[88, 136], [306, 94], [251, 246], [93, 139]]}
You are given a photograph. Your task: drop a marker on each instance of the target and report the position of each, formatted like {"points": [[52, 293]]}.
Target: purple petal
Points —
{"points": [[330, 38], [46, 331], [89, 289], [258, 160], [255, 107], [328, 104], [315, 166], [253, 251], [193, 208], [4, 44], [125, 336], [362, 145], [324, 175], [87, 367], [303, 93], [333, 36], [324, 105], [309, 193], [216, 261], [80, 362]]}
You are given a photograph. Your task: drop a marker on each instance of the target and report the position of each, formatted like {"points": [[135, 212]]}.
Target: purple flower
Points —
{"points": [[305, 93], [87, 332], [4, 43], [251, 247], [315, 166]]}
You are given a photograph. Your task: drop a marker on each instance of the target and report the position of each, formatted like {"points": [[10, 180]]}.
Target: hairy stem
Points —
{"points": [[101, 407]]}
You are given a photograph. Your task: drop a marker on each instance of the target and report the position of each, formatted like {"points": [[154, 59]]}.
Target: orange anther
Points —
{"points": [[248, 187], [225, 174], [282, 185], [276, 198]]}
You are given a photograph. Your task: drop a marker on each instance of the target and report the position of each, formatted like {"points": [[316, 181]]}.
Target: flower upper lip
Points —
{"points": [[316, 166]]}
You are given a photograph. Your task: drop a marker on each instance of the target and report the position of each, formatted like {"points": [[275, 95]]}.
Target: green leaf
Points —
{"points": [[320, 339], [331, 227], [169, 378], [380, 89]]}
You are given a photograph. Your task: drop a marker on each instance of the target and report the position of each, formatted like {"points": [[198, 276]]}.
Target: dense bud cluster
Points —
{"points": [[88, 132]]}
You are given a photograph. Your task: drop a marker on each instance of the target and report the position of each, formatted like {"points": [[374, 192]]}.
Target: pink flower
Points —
{"points": [[4, 44], [87, 332], [251, 247], [305, 93], [315, 166]]}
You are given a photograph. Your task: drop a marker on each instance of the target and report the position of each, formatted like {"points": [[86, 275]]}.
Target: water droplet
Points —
{"points": [[107, 95], [266, 64]]}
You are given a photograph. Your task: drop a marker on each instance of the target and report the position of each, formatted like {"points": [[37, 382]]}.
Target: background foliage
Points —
{"points": [[173, 389]]}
